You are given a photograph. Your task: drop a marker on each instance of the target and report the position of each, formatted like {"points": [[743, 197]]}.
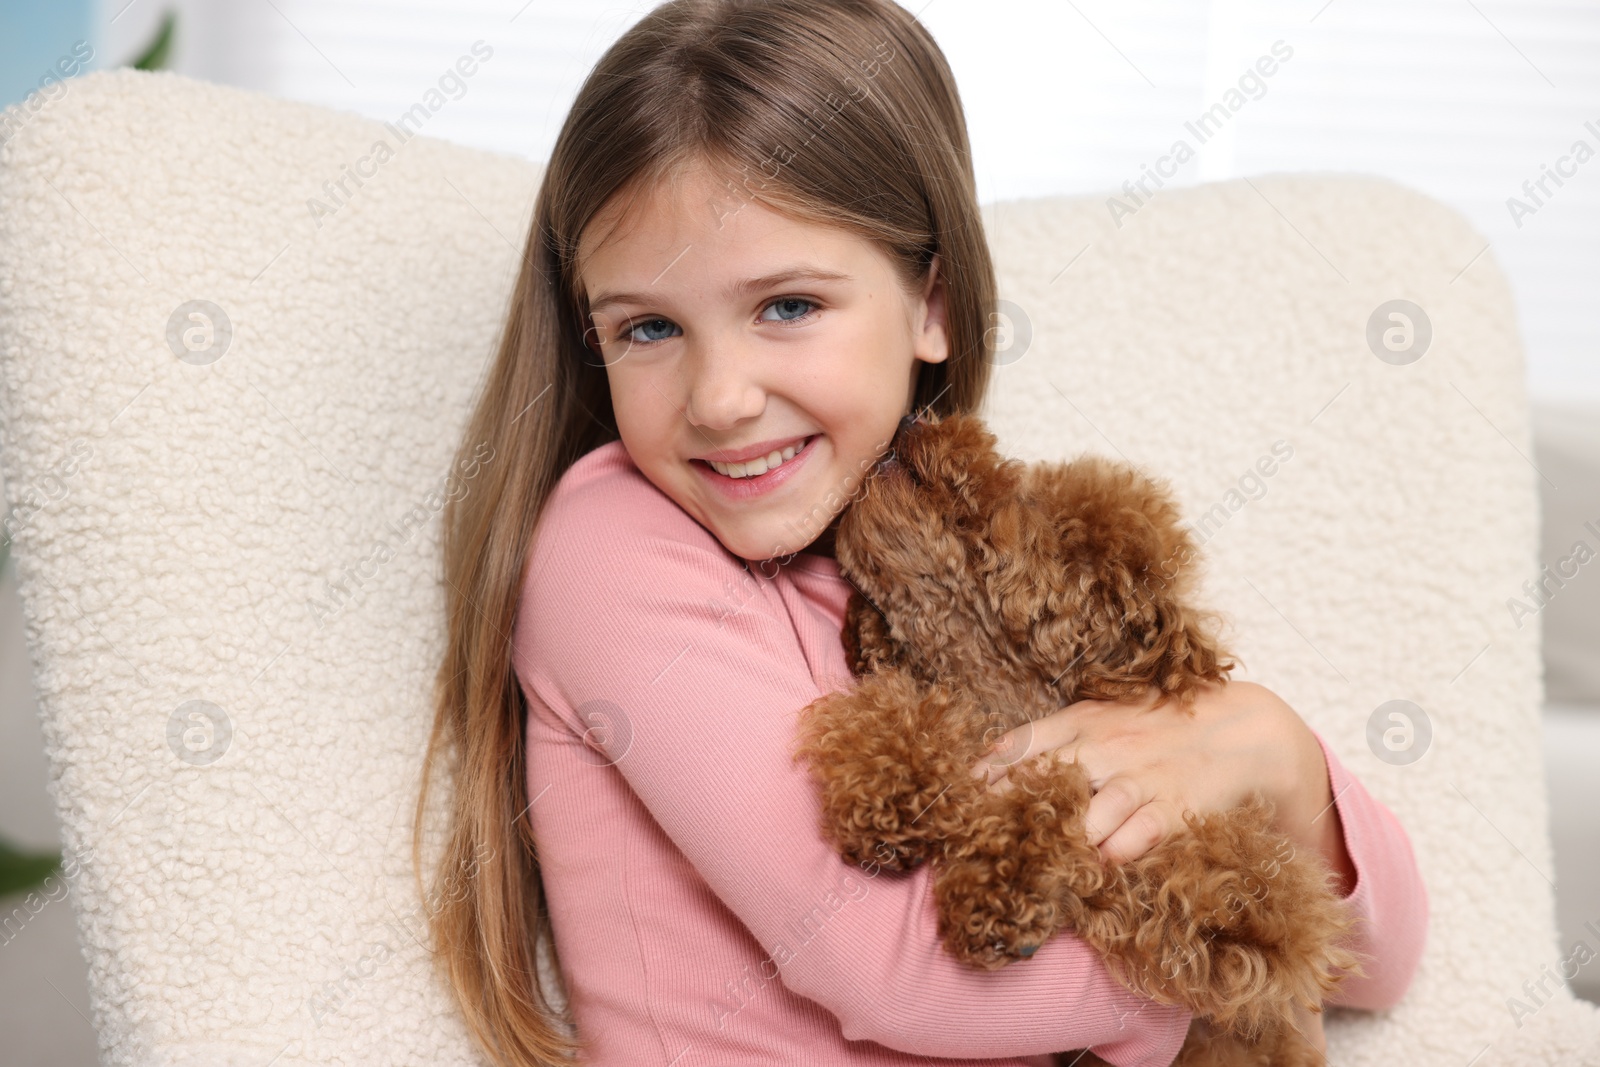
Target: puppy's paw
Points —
{"points": [[891, 761], [1018, 872]]}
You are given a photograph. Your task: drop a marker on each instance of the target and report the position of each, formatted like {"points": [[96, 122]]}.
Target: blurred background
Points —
{"points": [[1492, 108]]}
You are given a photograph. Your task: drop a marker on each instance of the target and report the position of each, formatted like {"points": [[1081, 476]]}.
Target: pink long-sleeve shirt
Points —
{"points": [[700, 918]]}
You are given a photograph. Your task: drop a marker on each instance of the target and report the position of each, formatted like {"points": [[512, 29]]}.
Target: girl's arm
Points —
{"points": [[629, 601], [1152, 761], [1388, 895]]}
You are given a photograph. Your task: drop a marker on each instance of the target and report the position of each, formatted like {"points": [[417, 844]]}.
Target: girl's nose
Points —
{"points": [[724, 387]]}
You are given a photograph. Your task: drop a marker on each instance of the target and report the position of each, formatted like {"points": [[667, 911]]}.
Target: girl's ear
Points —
{"points": [[932, 342]]}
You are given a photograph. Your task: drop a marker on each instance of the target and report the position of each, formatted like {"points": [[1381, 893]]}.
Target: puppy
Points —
{"points": [[990, 593]]}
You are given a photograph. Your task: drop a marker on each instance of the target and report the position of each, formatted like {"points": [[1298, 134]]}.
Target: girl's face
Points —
{"points": [[733, 333]]}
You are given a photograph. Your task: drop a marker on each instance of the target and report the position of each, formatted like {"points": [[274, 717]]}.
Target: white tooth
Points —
{"points": [[760, 465]]}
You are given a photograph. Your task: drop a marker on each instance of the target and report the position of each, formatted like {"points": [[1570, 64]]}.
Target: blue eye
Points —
{"points": [[789, 301], [646, 325]]}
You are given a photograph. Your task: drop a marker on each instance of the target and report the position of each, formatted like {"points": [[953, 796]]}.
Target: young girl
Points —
{"points": [[756, 247]]}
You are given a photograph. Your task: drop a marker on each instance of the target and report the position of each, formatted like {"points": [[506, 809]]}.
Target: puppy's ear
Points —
{"points": [[1012, 564], [1115, 564], [1116, 516]]}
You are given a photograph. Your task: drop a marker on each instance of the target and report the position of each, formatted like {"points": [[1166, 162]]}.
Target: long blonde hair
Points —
{"points": [[841, 112]]}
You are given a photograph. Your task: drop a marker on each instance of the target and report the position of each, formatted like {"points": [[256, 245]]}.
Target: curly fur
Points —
{"points": [[990, 593]]}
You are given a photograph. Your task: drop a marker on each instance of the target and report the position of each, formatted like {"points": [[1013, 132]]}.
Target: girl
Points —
{"points": [[755, 248]]}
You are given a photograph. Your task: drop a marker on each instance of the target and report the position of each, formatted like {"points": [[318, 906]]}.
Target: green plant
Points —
{"points": [[159, 50], [21, 871]]}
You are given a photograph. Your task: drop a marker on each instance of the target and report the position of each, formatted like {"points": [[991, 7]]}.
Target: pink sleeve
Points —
{"points": [[1388, 895], [623, 600]]}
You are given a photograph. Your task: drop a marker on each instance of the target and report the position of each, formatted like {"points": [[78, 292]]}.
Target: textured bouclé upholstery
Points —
{"points": [[227, 534]]}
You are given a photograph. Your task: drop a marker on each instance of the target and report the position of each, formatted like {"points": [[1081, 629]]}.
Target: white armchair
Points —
{"points": [[227, 423]]}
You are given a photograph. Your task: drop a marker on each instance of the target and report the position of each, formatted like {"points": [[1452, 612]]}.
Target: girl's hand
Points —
{"points": [[1149, 762], [1309, 1024]]}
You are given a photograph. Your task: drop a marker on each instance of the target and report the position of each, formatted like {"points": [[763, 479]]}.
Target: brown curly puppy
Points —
{"points": [[991, 593]]}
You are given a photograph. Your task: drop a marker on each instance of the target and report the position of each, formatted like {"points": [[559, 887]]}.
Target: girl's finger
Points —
{"points": [[1023, 742], [1138, 834], [1110, 807]]}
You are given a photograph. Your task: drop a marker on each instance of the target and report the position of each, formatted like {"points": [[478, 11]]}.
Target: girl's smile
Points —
{"points": [[758, 363], [762, 474]]}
